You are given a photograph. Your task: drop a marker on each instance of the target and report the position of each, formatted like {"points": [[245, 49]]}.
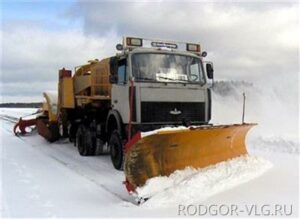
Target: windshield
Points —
{"points": [[167, 68]]}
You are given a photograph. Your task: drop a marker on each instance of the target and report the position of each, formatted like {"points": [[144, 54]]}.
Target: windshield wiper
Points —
{"points": [[172, 79]]}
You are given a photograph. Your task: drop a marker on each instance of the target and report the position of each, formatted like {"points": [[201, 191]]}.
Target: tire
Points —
{"points": [[116, 150], [84, 141]]}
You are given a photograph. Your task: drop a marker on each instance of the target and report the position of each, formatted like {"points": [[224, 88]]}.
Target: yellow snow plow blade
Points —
{"points": [[164, 152]]}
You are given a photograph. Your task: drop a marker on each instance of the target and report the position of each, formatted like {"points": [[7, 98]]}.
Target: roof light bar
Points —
{"points": [[131, 42]]}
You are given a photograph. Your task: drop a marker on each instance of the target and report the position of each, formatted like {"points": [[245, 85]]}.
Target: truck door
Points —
{"points": [[120, 91]]}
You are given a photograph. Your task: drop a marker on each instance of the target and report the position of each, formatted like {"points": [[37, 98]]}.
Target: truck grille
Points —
{"points": [[160, 111]]}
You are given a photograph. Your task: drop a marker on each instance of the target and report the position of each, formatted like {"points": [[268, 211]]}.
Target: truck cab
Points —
{"points": [[157, 84], [169, 86]]}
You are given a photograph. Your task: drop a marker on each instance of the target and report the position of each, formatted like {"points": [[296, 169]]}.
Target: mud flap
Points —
{"points": [[164, 152]]}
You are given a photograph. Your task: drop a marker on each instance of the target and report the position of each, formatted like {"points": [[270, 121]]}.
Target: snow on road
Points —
{"points": [[34, 183], [194, 185], [16, 113], [42, 179]]}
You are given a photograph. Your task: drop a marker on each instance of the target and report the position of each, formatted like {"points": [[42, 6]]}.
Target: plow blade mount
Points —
{"points": [[164, 152]]}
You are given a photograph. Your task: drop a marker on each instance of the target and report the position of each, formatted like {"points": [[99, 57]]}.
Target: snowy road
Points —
{"points": [[39, 179], [42, 179]]}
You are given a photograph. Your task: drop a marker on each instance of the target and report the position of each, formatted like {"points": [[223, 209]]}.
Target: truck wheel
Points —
{"points": [[84, 142], [116, 150]]}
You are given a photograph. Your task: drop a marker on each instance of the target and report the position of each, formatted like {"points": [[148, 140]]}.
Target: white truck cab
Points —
{"points": [[156, 84]]}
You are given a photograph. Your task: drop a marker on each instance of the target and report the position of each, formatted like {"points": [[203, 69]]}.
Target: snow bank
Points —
{"points": [[194, 185], [269, 105], [276, 144]]}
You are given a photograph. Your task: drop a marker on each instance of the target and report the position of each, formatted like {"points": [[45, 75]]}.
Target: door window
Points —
{"points": [[122, 72]]}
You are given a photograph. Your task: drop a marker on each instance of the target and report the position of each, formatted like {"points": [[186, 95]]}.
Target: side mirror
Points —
{"points": [[210, 70], [113, 76]]}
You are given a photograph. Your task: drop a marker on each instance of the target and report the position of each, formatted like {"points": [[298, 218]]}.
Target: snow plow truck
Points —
{"points": [[149, 106]]}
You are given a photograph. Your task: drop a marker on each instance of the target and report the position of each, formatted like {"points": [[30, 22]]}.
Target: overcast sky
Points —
{"points": [[257, 41]]}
